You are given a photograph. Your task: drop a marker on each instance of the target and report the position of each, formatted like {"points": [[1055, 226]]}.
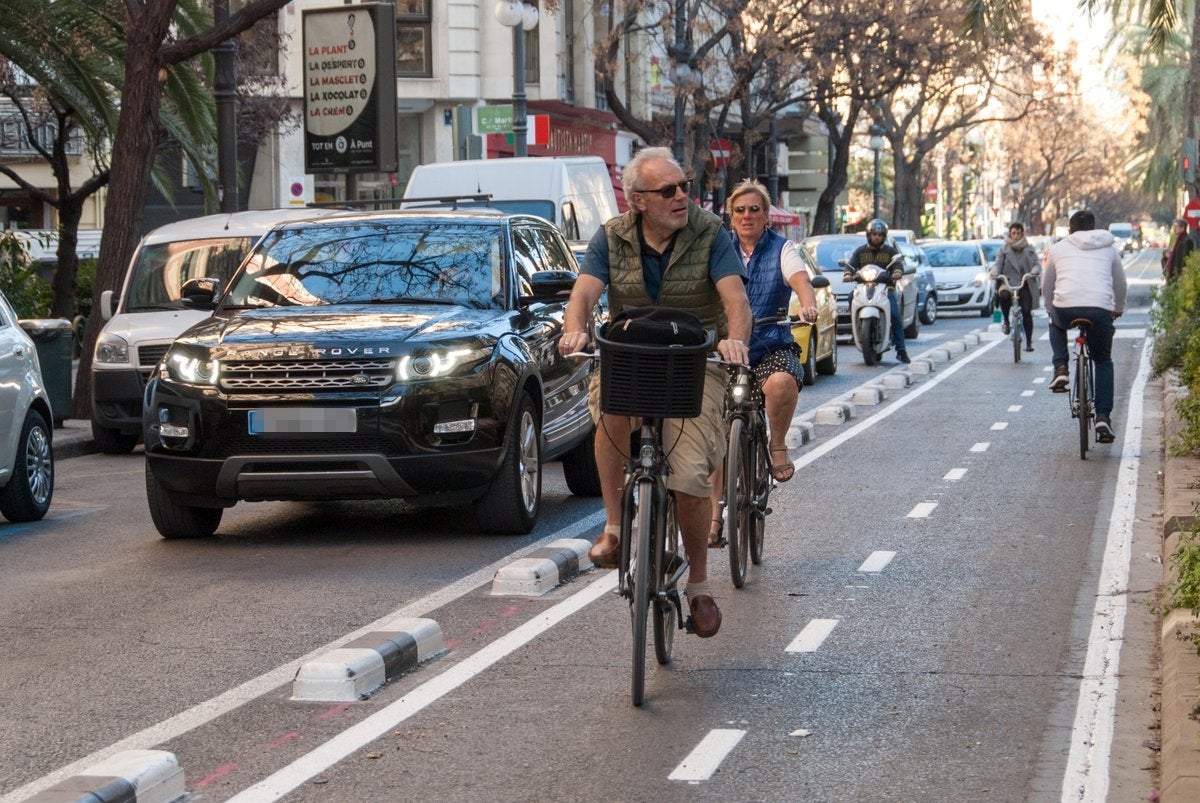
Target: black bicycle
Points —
{"points": [[1083, 393], [653, 382]]}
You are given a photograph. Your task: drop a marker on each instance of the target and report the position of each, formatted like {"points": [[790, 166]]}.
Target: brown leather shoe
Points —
{"points": [[606, 551], [706, 616]]}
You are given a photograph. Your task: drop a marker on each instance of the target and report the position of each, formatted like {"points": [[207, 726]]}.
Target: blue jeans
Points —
{"points": [[897, 324], [1100, 338]]}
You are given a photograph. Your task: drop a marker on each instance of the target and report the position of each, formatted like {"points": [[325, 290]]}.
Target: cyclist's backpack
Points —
{"points": [[664, 326]]}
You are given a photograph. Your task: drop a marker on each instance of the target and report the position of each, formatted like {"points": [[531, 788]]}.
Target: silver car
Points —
{"points": [[961, 272], [26, 460]]}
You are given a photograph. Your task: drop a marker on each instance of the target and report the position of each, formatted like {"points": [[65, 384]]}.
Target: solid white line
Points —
{"points": [[1014, 408], [703, 761], [981, 447], [999, 425], [922, 510], [955, 474], [812, 635], [223, 703], [1086, 776], [357, 736], [877, 561]]}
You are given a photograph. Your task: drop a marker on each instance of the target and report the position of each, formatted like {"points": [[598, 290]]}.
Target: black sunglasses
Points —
{"points": [[754, 209], [669, 191]]}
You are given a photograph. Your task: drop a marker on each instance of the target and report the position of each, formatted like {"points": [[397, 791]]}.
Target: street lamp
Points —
{"points": [[681, 72], [521, 17], [877, 146]]}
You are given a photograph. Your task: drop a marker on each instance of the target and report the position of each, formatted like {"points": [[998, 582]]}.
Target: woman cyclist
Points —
{"points": [[1016, 260]]}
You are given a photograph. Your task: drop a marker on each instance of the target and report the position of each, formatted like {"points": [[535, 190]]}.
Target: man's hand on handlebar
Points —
{"points": [[571, 342], [734, 351]]}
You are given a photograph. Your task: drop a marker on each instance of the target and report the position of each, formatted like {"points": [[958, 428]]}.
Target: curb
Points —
{"points": [[361, 666], [72, 439], [136, 776], [1179, 762]]}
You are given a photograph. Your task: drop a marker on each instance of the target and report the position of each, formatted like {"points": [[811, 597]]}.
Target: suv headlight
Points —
{"points": [[435, 363], [112, 350], [181, 366]]}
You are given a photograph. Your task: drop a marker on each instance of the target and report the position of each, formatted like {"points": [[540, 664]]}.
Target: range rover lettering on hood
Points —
{"points": [[321, 353]]}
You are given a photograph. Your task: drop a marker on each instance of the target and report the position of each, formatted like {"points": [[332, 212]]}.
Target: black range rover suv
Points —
{"points": [[374, 355]]}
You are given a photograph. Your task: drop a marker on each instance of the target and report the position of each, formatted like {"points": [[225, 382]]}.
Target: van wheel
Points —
{"points": [[27, 495], [178, 521], [113, 441]]}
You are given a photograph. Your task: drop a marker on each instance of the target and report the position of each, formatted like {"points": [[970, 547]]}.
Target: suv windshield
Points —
{"points": [[162, 268], [372, 262]]}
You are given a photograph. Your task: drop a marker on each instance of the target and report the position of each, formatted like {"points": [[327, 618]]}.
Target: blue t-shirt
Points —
{"points": [[722, 261]]}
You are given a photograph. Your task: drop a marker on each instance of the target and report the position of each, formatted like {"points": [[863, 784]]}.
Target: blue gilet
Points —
{"points": [[768, 293]]}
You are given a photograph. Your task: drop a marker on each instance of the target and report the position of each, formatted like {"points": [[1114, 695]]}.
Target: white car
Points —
{"points": [[26, 459], [962, 276]]}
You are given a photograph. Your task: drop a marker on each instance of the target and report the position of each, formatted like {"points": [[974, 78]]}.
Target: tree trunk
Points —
{"points": [[132, 158], [70, 211], [910, 194]]}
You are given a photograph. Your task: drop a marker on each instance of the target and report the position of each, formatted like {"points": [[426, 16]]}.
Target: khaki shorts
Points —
{"points": [[694, 446]]}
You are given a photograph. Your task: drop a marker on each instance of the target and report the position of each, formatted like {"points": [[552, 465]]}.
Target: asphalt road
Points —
{"points": [[936, 599]]}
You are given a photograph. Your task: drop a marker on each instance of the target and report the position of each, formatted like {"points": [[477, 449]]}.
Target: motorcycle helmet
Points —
{"points": [[877, 226]]}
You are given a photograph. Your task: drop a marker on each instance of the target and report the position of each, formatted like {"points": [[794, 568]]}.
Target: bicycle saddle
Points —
{"points": [[1082, 323]]}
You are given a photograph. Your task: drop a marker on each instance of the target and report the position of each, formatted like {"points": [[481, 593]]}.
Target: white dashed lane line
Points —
{"points": [[955, 474], [1014, 408], [922, 510], [999, 425], [1027, 393], [876, 562], [981, 447], [812, 635], [704, 759]]}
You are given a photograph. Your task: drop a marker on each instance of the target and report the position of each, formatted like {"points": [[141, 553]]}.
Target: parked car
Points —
{"points": [[818, 342], [926, 283], [145, 317], [991, 249], [962, 276], [26, 459], [827, 249], [393, 354]]}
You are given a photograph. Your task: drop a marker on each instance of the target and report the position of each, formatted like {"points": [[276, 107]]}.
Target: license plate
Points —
{"points": [[303, 420], [843, 306], [949, 298]]}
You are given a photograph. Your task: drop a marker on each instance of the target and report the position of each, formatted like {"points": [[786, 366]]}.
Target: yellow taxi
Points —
{"points": [[818, 342]]}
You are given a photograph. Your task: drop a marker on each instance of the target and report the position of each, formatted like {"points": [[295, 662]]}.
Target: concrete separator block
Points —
{"points": [[897, 379], [955, 346], [921, 367], [835, 413], [800, 433], [543, 569], [971, 339], [145, 776], [937, 355], [363, 665], [868, 395]]}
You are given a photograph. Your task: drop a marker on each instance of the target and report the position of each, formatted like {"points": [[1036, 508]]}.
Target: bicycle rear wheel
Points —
{"points": [[738, 489], [639, 604], [1083, 387], [762, 493], [664, 609]]}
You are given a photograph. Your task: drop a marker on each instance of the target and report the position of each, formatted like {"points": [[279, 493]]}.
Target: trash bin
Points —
{"points": [[54, 341]]}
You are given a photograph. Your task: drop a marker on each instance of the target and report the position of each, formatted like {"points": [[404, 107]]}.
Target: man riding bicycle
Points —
{"points": [[669, 252], [1084, 278]]}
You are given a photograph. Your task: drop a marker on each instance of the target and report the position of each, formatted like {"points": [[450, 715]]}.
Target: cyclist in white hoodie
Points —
{"points": [[1084, 278]]}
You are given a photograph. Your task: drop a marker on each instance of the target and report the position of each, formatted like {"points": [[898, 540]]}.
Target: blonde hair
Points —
{"points": [[750, 185]]}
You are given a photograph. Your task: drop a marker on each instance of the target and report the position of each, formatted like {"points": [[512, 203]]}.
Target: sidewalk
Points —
{"points": [[73, 439], [1179, 759]]}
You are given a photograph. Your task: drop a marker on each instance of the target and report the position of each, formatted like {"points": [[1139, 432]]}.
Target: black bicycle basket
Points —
{"points": [[652, 380]]}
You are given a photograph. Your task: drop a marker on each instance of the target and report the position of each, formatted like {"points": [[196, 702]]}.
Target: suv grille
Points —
{"points": [[306, 375], [148, 356]]}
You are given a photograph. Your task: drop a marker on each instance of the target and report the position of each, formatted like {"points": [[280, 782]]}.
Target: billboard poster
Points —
{"points": [[350, 89]]}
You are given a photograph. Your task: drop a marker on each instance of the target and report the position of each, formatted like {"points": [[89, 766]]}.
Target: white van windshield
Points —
{"points": [[162, 268]]}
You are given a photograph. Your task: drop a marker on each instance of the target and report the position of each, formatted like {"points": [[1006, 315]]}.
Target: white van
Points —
{"points": [[148, 315], [573, 192]]}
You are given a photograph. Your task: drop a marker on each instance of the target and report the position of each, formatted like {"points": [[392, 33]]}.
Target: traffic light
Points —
{"points": [[1189, 161]]}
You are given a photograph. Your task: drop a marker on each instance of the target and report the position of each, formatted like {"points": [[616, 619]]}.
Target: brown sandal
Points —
{"points": [[716, 535], [782, 472]]}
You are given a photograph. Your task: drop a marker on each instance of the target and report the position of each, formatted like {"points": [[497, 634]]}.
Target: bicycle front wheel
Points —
{"points": [[1015, 327], [1083, 387], [643, 529], [738, 490], [664, 567]]}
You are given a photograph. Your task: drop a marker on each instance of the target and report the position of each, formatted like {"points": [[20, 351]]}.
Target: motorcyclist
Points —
{"points": [[877, 251]]}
